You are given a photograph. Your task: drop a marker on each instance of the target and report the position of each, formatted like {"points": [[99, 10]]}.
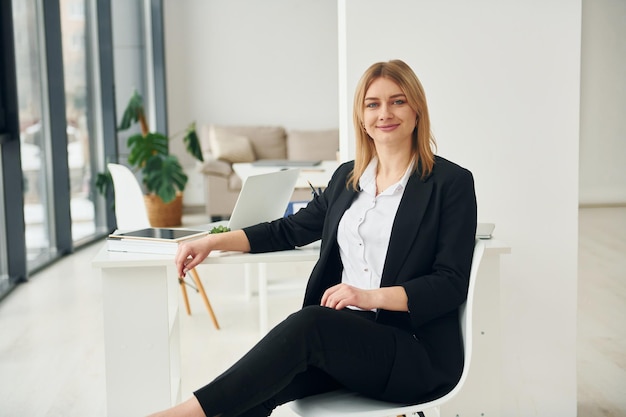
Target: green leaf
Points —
{"points": [[104, 185], [193, 143], [133, 111], [104, 182], [220, 229], [143, 148], [163, 175]]}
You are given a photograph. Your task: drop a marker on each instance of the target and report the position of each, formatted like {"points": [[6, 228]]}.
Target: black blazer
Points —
{"points": [[429, 254]]}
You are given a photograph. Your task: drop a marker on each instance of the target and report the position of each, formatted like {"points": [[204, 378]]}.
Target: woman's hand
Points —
{"points": [[190, 254], [341, 296]]}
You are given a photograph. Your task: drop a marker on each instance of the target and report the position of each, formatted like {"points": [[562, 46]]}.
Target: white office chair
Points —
{"points": [[343, 403], [130, 214]]}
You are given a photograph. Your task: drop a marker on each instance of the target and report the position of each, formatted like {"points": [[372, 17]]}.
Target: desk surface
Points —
{"points": [[108, 259]]}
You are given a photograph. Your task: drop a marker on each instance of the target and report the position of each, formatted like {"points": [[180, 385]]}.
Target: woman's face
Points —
{"points": [[387, 117]]}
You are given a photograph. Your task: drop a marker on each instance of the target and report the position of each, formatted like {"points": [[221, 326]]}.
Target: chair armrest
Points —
{"points": [[213, 166]]}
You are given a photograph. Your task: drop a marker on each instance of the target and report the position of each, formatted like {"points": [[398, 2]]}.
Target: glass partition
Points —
{"points": [[78, 68], [4, 265], [34, 136]]}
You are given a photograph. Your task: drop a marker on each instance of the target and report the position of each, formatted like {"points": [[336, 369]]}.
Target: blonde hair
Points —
{"points": [[423, 140]]}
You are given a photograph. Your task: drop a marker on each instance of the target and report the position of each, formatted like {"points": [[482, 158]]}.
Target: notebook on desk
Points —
{"points": [[263, 198]]}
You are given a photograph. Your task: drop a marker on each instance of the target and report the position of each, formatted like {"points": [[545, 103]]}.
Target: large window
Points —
{"points": [[59, 95], [57, 123], [12, 246], [34, 130], [4, 265], [80, 109]]}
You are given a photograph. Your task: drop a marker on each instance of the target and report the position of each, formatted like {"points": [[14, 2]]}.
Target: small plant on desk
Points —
{"points": [[219, 229]]}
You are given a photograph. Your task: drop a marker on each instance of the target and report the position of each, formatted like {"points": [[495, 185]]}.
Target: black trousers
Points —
{"points": [[315, 350]]}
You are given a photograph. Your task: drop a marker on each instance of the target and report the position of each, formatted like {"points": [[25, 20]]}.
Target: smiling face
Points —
{"points": [[387, 117]]}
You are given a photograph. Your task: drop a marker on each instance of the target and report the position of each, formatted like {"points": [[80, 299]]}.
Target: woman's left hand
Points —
{"points": [[341, 296]]}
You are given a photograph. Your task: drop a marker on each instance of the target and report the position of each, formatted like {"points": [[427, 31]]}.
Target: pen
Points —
{"points": [[313, 190]]}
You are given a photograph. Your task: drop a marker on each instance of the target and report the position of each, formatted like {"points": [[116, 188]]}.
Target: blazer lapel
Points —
{"points": [[406, 225], [327, 270], [339, 206]]}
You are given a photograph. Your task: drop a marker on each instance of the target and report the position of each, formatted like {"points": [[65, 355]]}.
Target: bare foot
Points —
{"points": [[189, 408]]}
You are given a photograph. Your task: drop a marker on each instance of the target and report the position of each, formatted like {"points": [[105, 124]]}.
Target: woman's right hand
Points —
{"points": [[190, 254]]}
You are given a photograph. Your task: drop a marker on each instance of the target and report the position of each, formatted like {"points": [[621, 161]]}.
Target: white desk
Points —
{"points": [[141, 323], [141, 326], [318, 175]]}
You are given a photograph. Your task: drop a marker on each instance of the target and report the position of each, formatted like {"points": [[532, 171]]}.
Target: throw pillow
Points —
{"points": [[230, 147], [268, 142], [312, 144]]}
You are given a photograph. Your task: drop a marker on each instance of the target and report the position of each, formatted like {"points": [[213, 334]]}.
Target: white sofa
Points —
{"points": [[224, 145]]}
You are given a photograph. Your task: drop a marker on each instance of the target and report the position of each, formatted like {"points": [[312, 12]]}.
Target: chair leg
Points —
{"points": [[183, 288], [196, 278]]}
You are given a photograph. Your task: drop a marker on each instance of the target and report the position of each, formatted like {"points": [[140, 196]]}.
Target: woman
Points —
{"points": [[380, 316]]}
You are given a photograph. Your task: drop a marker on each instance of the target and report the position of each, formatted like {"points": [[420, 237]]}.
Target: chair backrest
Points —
{"points": [[130, 208], [466, 312], [344, 403]]}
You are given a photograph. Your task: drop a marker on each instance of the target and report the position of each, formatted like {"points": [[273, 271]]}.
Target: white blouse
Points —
{"points": [[365, 229]]}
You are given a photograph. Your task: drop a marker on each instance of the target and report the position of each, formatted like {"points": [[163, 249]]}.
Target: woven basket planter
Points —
{"points": [[163, 214]]}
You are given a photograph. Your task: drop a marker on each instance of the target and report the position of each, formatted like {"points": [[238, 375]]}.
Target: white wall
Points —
{"points": [[242, 62], [129, 60], [220, 52], [215, 47], [503, 89], [270, 62], [603, 103]]}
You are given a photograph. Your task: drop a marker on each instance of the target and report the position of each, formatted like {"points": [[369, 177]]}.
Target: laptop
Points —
{"points": [[263, 198]]}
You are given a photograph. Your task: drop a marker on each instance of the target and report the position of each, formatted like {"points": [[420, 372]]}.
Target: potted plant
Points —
{"points": [[162, 175]]}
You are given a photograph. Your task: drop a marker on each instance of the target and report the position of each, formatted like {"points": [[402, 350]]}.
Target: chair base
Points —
{"points": [[344, 403]]}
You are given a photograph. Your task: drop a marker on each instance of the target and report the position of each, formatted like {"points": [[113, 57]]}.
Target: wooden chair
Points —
{"points": [[130, 213], [343, 403]]}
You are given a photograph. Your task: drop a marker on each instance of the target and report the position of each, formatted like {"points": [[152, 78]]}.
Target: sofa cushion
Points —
{"points": [[203, 135], [312, 145], [230, 147], [234, 182], [268, 142], [213, 166]]}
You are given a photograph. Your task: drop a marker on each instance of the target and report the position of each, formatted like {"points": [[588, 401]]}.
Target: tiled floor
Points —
{"points": [[51, 344], [601, 343]]}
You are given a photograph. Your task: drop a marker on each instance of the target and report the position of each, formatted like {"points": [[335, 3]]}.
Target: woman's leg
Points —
{"points": [[310, 382], [352, 350]]}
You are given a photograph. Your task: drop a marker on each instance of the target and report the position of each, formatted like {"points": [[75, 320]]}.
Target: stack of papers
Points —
{"points": [[154, 240]]}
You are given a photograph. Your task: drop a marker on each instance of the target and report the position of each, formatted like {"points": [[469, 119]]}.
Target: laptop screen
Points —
{"points": [[263, 198]]}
